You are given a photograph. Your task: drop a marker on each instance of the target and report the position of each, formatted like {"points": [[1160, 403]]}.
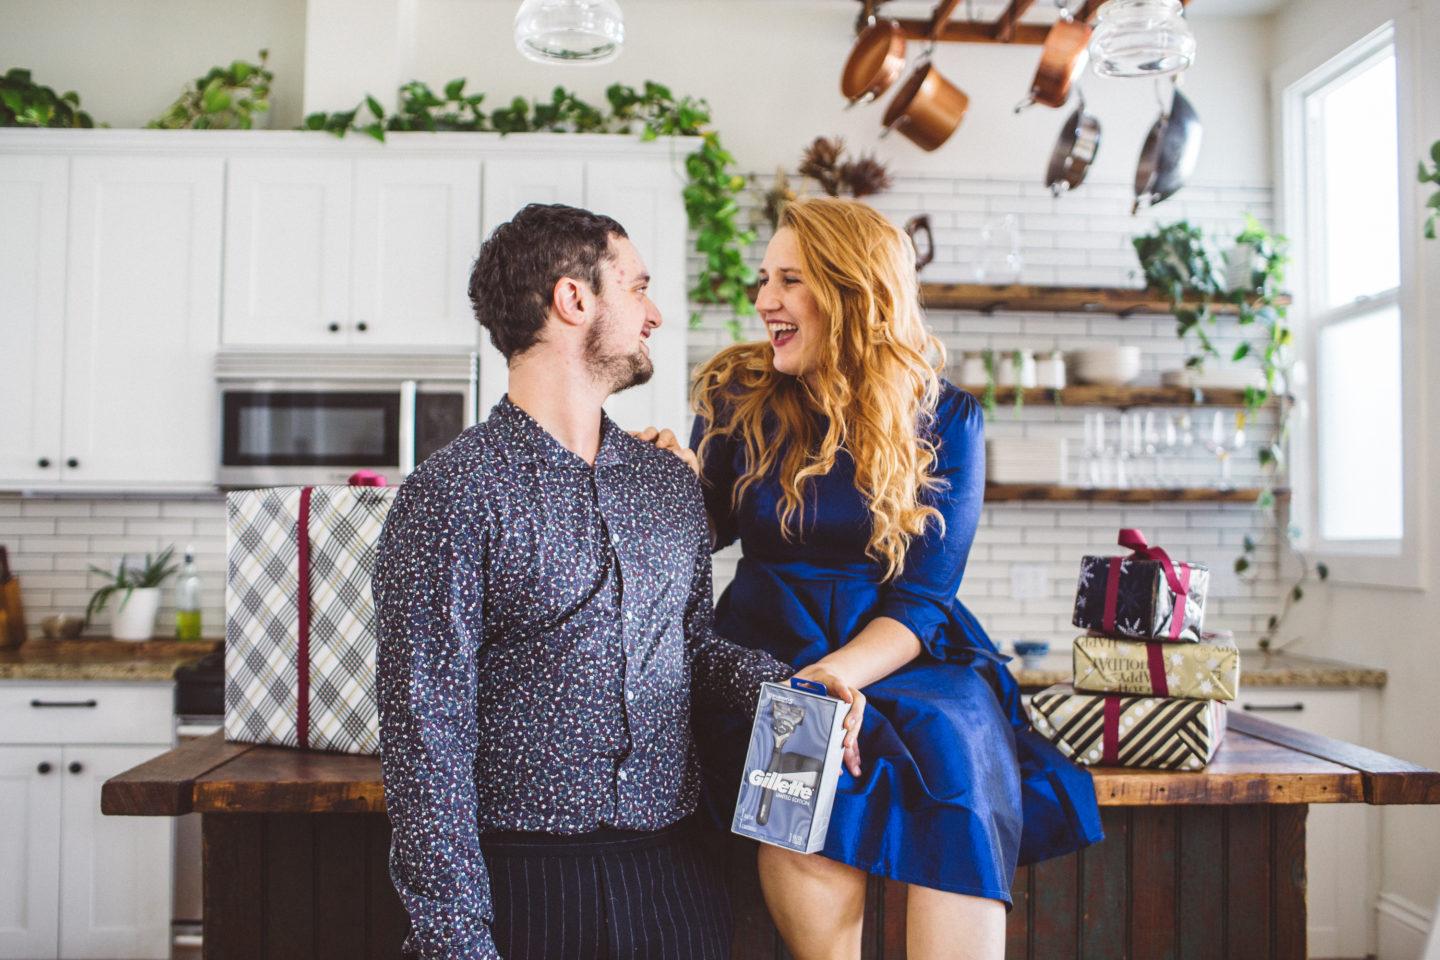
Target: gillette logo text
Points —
{"points": [[789, 789]]}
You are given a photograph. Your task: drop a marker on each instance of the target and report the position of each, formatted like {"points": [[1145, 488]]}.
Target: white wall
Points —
{"points": [[770, 70], [1392, 627], [129, 60]]}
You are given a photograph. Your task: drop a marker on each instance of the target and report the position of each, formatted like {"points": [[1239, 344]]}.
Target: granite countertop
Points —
{"points": [[97, 659], [1256, 670]]}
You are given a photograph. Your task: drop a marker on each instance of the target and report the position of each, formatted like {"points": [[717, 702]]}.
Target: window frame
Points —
{"points": [[1385, 563]]}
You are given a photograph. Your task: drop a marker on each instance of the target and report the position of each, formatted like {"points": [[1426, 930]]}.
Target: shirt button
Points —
{"points": [[623, 775], [629, 694]]}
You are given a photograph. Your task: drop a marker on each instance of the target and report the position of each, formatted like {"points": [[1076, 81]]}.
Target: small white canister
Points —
{"points": [[1015, 368], [972, 370], [1050, 370]]}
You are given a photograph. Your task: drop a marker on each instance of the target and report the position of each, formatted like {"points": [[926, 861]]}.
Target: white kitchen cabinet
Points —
{"points": [[110, 267], [74, 883], [331, 252], [32, 314], [142, 321], [1341, 879]]}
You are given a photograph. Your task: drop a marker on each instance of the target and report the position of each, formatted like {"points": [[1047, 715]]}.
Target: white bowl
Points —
{"points": [[1107, 366]]}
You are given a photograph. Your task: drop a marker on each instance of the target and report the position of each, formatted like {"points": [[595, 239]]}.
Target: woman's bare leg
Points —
{"points": [[817, 904], [954, 926]]}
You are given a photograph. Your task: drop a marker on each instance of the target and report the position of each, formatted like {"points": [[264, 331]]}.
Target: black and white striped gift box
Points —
{"points": [[1108, 729]]}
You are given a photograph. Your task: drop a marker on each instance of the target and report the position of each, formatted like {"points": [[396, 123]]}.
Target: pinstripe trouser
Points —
{"points": [[610, 895]]}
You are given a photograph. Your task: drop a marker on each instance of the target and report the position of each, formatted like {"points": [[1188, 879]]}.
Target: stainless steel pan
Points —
{"points": [[1074, 151], [1169, 155]]}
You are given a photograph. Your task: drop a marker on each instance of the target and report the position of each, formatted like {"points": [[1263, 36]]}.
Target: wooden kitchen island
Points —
{"points": [[1194, 865]]}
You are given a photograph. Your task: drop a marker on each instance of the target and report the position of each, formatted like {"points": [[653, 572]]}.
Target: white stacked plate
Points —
{"points": [[1113, 366], [1215, 376]]}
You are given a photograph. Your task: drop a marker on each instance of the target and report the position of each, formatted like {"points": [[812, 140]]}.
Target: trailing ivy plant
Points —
{"points": [[25, 103], [651, 111], [1432, 176], [226, 98], [1177, 261]]}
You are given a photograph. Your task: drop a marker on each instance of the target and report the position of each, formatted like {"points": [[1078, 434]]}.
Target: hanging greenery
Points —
{"points": [[25, 103], [1176, 260], [651, 111]]}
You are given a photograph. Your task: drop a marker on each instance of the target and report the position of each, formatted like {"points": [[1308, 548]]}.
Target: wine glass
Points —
{"points": [[1225, 441]]}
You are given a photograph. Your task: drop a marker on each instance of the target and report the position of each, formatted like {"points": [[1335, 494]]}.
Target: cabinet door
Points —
{"points": [[646, 198], [29, 851], [417, 230], [115, 872], [32, 314], [509, 185], [1337, 846], [142, 320], [287, 253]]}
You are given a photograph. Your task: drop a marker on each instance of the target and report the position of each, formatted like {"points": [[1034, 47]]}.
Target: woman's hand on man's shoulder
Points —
{"points": [[666, 440]]}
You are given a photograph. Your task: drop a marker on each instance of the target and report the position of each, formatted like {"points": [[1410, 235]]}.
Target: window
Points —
{"points": [[1344, 142]]}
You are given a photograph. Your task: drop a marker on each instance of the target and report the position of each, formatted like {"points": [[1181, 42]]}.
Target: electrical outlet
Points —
{"points": [[1029, 581]]}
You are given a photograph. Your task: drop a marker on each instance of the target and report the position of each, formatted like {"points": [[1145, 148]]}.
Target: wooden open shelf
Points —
{"points": [[1120, 301], [1006, 28], [1015, 492], [1119, 397]]}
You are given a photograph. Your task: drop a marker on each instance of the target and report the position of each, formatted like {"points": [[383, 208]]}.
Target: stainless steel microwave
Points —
{"points": [[294, 418]]}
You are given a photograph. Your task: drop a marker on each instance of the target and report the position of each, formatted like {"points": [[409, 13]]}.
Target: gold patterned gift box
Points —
{"points": [[1206, 670], [1111, 729]]}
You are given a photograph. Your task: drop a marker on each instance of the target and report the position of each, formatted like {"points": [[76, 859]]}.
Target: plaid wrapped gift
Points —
{"points": [[300, 626], [1115, 730], [1145, 595], [1206, 670]]}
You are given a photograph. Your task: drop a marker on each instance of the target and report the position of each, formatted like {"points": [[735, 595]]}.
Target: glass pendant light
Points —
{"points": [[570, 31], [1141, 38]]}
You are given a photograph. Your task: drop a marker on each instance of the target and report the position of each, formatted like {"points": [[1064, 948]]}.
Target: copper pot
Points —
{"points": [[875, 62], [1066, 51], [927, 109]]}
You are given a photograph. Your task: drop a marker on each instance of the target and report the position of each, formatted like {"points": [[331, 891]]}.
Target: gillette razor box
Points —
{"points": [[792, 767]]}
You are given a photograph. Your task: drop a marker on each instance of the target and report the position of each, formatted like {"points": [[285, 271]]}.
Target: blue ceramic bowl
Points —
{"points": [[1031, 652]]}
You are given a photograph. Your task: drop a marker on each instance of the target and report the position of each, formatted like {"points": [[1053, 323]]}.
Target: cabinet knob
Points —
{"points": [[75, 766], [72, 463], [334, 328], [44, 462], [44, 767], [362, 326]]}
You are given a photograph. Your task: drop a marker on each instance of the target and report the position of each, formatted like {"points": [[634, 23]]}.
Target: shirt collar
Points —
{"points": [[524, 439]]}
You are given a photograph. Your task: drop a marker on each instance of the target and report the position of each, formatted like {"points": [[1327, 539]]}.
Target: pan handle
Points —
{"points": [[921, 225], [1029, 101]]}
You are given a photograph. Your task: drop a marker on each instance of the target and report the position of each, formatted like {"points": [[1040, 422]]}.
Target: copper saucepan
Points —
{"points": [[875, 62], [1064, 56], [927, 109]]}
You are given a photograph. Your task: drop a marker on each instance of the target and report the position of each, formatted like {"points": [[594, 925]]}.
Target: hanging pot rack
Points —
{"points": [[1006, 28]]}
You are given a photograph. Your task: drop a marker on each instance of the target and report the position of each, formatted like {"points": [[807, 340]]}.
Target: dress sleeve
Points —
{"points": [[921, 596], [427, 589], [717, 480]]}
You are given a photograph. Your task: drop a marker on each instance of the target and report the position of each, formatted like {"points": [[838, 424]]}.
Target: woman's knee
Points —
{"points": [[810, 866]]}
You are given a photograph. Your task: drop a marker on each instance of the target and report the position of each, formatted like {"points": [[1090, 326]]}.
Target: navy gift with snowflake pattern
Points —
{"points": [[1145, 595]]}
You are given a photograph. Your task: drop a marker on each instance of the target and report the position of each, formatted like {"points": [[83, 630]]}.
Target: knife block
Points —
{"points": [[12, 624]]}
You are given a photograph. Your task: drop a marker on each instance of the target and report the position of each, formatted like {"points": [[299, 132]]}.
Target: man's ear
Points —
{"points": [[572, 301]]}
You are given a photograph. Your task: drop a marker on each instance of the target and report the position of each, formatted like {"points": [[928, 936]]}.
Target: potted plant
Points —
{"points": [[1432, 175], [226, 98], [25, 103], [134, 618]]}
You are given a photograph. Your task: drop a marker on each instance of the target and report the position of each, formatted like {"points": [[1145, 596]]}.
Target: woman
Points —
{"points": [[853, 477]]}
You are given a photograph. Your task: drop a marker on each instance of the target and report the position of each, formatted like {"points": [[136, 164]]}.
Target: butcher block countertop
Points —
{"points": [[99, 659], [1259, 762]]}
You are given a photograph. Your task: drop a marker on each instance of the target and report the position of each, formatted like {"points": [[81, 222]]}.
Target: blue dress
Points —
{"points": [[955, 788]]}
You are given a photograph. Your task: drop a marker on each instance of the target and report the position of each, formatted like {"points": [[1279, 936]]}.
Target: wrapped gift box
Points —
{"points": [[1145, 595], [1111, 729], [1206, 670], [300, 626]]}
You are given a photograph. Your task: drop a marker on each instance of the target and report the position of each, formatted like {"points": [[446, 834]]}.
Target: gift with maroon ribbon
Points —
{"points": [[1146, 595], [1206, 670], [1111, 729], [300, 626]]}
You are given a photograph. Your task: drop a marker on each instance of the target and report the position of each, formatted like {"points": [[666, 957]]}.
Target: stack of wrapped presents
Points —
{"points": [[1149, 686]]}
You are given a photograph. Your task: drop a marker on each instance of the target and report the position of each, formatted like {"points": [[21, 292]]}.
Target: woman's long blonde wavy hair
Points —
{"points": [[876, 383]]}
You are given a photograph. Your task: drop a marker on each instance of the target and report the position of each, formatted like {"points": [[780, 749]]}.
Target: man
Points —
{"points": [[544, 597]]}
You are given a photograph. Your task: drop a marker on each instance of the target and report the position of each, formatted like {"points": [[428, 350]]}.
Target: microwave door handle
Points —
{"points": [[407, 427]]}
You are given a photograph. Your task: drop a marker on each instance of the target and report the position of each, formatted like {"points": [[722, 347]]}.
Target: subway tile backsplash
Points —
{"points": [[1078, 239]]}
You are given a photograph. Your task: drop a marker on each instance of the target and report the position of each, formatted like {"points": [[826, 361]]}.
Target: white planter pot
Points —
{"points": [[134, 617]]}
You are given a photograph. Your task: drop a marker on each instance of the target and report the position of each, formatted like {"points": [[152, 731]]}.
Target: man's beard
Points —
{"points": [[616, 371]]}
